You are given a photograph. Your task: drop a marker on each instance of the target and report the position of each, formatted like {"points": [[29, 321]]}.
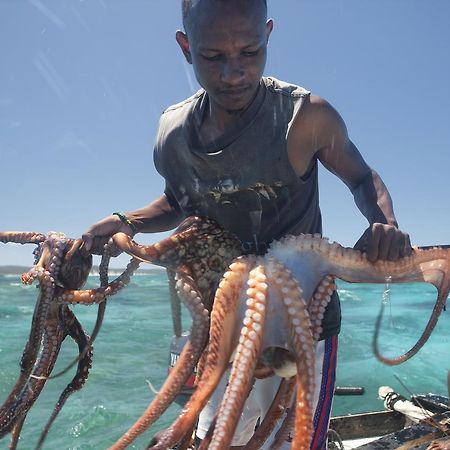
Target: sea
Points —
{"points": [[132, 350]]}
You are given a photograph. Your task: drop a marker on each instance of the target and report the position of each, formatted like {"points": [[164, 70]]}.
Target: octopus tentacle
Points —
{"points": [[189, 357], [48, 328], [318, 304], [198, 245], [204, 445], [103, 273], [51, 342], [438, 307], [430, 266], [21, 237], [244, 363], [285, 430], [46, 271], [91, 296], [221, 345], [276, 411], [187, 441], [302, 342], [58, 262], [190, 431], [76, 332], [27, 362], [170, 251], [15, 434]]}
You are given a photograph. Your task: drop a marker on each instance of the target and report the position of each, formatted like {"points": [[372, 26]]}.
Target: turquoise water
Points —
{"points": [[133, 347]]}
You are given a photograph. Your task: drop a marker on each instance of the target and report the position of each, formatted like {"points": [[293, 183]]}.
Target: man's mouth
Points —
{"points": [[235, 92]]}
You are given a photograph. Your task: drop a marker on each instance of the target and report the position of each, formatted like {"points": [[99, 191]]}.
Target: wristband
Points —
{"points": [[126, 220]]}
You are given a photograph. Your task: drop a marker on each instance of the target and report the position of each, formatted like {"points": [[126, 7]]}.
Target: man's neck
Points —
{"points": [[218, 120]]}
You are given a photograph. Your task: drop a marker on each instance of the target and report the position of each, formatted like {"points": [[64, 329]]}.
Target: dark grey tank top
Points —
{"points": [[243, 179]]}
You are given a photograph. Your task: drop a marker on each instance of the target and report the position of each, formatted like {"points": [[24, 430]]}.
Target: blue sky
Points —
{"points": [[82, 85]]}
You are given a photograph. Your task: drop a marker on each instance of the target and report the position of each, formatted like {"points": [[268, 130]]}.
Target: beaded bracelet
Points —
{"points": [[126, 220]]}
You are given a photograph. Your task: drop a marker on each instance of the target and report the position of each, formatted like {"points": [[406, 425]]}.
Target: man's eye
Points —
{"points": [[211, 58], [254, 53]]}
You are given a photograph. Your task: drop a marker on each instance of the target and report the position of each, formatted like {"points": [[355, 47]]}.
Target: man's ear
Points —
{"points": [[184, 45], [269, 28]]}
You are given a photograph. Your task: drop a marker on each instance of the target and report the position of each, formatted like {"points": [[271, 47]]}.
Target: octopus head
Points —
{"points": [[75, 267]]}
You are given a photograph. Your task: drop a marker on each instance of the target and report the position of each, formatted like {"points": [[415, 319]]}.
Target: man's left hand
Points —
{"points": [[385, 242]]}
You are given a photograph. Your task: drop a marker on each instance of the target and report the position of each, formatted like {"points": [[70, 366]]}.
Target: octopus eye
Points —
{"points": [[215, 263]]}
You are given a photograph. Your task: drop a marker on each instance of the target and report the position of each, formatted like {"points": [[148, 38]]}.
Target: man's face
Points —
{"points": [[227, 46]]}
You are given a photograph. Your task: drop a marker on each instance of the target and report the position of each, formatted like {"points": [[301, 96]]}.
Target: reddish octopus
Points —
{"points": [[236, 319]]}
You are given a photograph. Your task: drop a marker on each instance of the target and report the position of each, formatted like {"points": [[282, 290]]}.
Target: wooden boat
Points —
{"points": [[406, 424]]}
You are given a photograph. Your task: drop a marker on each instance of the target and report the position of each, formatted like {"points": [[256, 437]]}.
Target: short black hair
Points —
{"points": [[187, 4]]}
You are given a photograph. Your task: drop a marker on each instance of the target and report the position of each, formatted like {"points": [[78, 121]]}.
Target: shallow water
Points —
{"points": [[133, 347]]}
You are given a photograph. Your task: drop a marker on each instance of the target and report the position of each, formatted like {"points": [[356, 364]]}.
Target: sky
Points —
{"points": [[83, 83]]}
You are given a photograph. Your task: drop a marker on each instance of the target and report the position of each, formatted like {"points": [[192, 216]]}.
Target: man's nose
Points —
{"points": [[233, 71]]}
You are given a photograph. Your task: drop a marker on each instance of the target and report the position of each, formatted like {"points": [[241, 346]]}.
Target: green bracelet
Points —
{"points": [[126, 220]]}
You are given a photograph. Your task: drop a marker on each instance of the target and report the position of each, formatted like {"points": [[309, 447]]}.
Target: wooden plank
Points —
{"points": [[416, 437], [368, 424]]}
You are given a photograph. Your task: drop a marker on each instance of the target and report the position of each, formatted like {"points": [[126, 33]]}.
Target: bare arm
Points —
{"points": [[157, 216], [319, 132]]}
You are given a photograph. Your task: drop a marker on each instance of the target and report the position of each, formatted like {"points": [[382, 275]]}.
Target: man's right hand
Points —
{"points": [[98, 235]]}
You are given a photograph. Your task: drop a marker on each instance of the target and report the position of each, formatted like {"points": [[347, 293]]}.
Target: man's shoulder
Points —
{"points": [[285, 88], [174, 118], [183, 108]]}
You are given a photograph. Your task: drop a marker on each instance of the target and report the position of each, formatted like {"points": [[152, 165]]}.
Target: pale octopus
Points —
{"points": [[266, 317]]}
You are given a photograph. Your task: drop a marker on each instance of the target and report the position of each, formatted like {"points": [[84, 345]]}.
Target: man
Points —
{"points": [[244, 151]]}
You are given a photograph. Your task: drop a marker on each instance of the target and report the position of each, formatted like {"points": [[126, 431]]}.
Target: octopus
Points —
{"points": [[266, 319], [61, 269], [261, 314]]}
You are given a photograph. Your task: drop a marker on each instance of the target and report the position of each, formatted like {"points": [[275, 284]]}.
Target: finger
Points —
{"points": [[387, 235], [93, 245], [88, 240], [84, 250], [397, 246], [407, 247], [373, 244]]}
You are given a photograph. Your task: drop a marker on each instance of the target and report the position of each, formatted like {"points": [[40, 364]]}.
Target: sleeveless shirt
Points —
{"points": [[243, 179]]}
